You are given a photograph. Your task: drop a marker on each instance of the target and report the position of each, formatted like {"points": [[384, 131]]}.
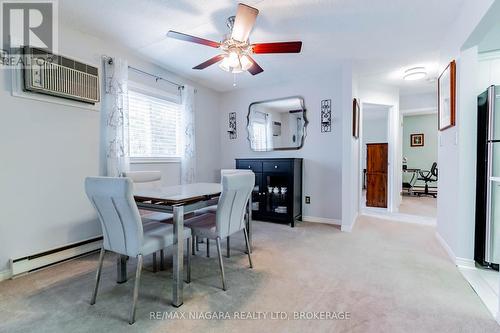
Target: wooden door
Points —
{"points": [[376, 174]]}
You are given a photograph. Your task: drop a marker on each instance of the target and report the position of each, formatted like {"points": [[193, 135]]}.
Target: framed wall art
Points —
{"points": [[417, 140], [447, 97], [326, 115]]}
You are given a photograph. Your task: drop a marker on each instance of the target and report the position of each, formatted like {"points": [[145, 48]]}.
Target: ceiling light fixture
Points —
{"points": [[415, 73], [235, 61]]}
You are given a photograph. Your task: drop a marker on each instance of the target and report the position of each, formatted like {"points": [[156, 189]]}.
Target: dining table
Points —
{"points": [[178, 200]]}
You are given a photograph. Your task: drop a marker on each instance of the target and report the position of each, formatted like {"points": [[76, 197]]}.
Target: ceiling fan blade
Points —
{"points": [[192, 39], [255, 69], [244, 22], [279, 47], [210, 62]]}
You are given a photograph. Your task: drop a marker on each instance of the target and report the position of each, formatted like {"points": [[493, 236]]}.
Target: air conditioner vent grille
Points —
{"points": [[60, 76]]}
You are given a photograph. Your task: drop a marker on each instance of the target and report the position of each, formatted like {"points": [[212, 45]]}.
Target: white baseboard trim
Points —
{"points": [[346, 228], [446, 247], [324, 220], [458, 261], [5, 274], [349, 227], [465, 263]]}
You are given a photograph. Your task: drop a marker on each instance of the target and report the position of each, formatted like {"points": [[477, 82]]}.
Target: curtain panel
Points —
{"points": [[188, 143], [116, 108]]}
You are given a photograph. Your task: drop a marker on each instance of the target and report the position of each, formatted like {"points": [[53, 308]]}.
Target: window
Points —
{"points": [[154, 126]]}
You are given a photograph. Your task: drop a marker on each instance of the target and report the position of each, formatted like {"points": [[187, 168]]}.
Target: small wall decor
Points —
{"points": [[417, 140], [355, 118], [446, 97], [232, 125], [326, 115]]}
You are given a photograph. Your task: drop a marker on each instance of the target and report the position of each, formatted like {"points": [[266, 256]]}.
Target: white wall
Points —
{"points": [[489, 69], [322, 152], [456, 149], [48, 149], [418, 103]]}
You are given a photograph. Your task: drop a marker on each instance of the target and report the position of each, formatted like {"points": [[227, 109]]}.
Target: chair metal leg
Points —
{"points": [[97, 276], [197, 242], [155, 267], [221, 265], [208, 248], [228, 250], [189, 246], [162, 260], [121, 268], [248, 247], [131, 319], [193, 248]]}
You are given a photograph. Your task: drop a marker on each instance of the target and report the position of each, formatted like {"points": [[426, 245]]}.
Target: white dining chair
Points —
{"points": [[230, 215], [213, 209], [150, 180], [123, 230]]}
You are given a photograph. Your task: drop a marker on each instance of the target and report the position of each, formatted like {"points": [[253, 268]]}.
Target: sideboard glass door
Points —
{"points": [[257, 195], [276, 199]]}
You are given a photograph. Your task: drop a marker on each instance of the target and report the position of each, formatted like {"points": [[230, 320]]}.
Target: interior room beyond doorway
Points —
{"points": [[374, 156]]}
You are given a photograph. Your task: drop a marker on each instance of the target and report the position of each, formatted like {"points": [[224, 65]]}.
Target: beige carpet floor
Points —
{"points": [[421, 206], [389, 276]]}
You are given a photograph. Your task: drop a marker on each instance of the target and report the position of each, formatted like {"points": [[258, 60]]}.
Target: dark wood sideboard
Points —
{"points": [[277, 195]]}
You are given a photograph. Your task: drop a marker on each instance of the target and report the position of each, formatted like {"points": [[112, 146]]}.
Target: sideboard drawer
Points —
{"points": [[255, 166], [277, 166]]}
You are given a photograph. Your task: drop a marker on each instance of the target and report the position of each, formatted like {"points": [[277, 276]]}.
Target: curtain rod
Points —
{"points": [[180, 86], [109, 60]]}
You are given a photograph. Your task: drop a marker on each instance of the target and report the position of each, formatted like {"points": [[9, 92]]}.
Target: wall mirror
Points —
{"points": [[278, 124]]}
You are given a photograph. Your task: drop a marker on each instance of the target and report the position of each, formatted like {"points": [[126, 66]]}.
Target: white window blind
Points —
{"points": [[154, 125]]}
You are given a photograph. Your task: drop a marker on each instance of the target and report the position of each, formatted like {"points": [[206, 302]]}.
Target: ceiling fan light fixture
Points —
{"points": [[236, 49], [245, 62], [227, 65], [233, 59], [415, 73]]}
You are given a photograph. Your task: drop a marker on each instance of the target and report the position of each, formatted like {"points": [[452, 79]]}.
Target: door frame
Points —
{"points": [[393, 134]]}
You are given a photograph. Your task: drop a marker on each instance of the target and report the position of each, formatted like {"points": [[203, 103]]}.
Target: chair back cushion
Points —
{"points": [[117, 211], [143, 176], [144, 180], [236, 190], [232, 171], [434, 169]]}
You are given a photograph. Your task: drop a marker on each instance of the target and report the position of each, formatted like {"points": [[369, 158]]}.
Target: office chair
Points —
{"points": [[429, 176]]}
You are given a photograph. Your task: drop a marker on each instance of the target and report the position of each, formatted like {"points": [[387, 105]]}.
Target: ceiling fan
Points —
{"points": [[237, 49]]}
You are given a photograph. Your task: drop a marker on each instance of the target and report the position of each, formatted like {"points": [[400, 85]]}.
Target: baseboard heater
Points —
{"points": [[53, 256]]}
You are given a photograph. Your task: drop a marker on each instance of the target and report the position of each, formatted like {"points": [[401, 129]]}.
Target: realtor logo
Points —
{"points": [[29, 23]]}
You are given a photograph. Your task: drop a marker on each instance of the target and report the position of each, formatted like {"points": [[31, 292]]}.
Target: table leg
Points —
{"points": [[121, 268], [178, 283]]}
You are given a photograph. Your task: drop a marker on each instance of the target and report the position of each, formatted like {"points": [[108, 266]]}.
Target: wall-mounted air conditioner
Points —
{"points": [[55, 75]]}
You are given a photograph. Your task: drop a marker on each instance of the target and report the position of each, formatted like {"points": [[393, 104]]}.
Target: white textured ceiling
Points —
{"points": [[379, 36]]}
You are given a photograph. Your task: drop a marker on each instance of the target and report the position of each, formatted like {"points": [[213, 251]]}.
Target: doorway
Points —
{"points": [[374, 154], [419, 161]]}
